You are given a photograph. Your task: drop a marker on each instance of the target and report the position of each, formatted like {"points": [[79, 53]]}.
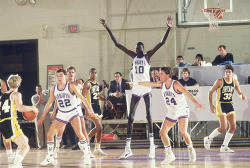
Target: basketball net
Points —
{"points": [[213, 15]]}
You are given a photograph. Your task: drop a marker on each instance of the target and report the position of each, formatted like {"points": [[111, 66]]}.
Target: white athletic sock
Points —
{"points": [[214, 134], [128, 142], [190, 146], [50, 148], [83, 146], [151, 138], [227, 139], [168, 149], [97, 145], [58, 141], [9, 152], [18, 159]]}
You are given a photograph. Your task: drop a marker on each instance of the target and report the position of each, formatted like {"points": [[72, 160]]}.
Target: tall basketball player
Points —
{"points": [[224, 108], [65, 94], [10, 102], [141, 68], [173, 93]]}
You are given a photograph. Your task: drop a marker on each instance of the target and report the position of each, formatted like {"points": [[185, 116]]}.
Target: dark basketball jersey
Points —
{"points": [[7, 107], [9, 126], [94, 92], [225, 93]]}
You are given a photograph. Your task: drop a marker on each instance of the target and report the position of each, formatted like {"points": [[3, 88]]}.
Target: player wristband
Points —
{"points": [[241, 95]]}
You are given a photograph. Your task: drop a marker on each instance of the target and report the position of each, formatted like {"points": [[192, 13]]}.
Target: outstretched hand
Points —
{"points": [[199, 106], [170, 21], [102, 21]]}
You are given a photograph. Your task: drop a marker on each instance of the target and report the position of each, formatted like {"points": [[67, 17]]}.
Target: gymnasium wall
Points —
{"points": [[130, 20]]}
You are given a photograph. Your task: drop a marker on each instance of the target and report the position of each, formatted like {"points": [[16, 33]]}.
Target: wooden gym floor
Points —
{"points": [[72, 158]]}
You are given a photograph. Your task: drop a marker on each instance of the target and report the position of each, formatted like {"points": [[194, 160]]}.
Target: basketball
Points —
{"points": [[29, 115]]}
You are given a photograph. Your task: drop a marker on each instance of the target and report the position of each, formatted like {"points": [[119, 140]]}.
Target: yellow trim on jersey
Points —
{"points": [[16, 130], [14, 127], [13, 111], [218, 109], [9, 118]]}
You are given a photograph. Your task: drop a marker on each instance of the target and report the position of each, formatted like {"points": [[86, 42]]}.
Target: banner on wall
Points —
{"points": [[51, 75], [195, 91]]}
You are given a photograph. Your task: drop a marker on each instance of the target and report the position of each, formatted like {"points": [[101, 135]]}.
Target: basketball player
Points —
{"points": [[8, 147], [141, 68], [224, 108], [173, 93], [71, 78], [91, 90], [10, 102], [64, 94]]}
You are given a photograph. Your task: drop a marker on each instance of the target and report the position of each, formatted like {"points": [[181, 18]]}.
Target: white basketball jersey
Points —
{"points": [[79, 88], [174, 101], [141, 69], [66, 101]]}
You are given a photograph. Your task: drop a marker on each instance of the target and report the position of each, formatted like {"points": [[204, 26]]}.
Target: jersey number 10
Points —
{"points": [[139, 69]]}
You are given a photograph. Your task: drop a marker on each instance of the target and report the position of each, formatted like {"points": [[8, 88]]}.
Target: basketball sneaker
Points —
{"points": [[90, 153], [56, 150], [99, 152], [226, 149], [192, 154], [207, 143], [151, 154], [86, 158], [127, 153], [169, 157], [49, 159]]}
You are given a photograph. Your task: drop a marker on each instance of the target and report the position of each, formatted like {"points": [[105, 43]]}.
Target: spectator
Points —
{"points": [[180, 61], [186, 79], [155, 76], [116, 92], [198, 60], [223, 57], [39, 100]]}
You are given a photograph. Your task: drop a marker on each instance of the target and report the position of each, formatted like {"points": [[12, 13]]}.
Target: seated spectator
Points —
{"points": [[155, 76], [223, 57], [116, 92], [198, 60], [186, 79], [180, 61]]}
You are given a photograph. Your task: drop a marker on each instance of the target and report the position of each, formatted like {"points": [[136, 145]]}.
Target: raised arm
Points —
{"points": [[170, 25], [121, 47]]}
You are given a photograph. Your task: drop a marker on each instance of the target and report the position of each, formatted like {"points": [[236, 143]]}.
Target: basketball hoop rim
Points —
{"points": [[213, 10]]}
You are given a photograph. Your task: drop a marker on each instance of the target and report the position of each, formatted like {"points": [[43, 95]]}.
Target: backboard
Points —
{"points": [[190, 12]]}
